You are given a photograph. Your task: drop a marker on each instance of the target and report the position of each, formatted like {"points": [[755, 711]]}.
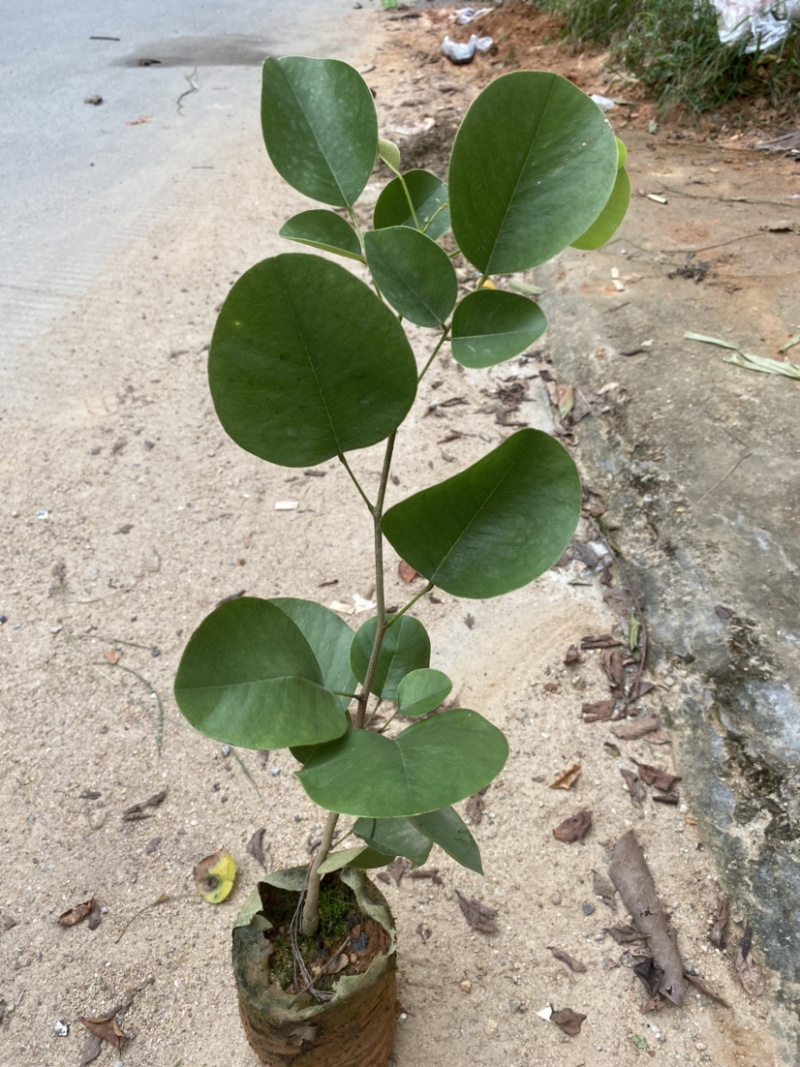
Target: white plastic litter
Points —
{"points": [[762, 23], [602, 101], [465, 15], [464, 53]]}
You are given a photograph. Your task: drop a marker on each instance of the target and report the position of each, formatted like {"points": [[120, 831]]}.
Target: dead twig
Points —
{"points": [[193, 88]]}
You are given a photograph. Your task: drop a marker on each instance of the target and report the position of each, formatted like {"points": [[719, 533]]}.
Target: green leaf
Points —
{"points": [[606, 223], [389, 153], [491, 325], [421, 691], [406, 647], [330, 639], [622, 153], [414, 274], [248, 677], [307, 362], [496, 526], [432, 763], [320, 127], [429, 197], [325, 230], [532, 166], [396, 836], [447, 829]]}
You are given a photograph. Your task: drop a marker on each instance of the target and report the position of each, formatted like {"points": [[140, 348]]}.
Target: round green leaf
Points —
{"points": [[248, 677], [395, 836], [622, 153], [447, 829], [413, 273], [307, 362], [421, 691], [428, 195], [497, 525], [491, 325], [606, 223], [389, 153], [320, 127], [432, 763], [532, 166], [330, 639], [325, 230], [406, 647]]}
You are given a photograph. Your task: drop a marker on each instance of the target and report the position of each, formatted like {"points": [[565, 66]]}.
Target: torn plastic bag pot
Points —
{"points": [[353, 1029]]}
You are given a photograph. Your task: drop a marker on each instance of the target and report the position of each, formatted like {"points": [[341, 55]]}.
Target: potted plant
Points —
{"points": [[308, 363]]}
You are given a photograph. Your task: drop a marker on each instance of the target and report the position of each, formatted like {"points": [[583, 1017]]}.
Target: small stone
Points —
{"points": [[43, 515], [587, 908], [274, 771], [701, 1046], [491, 1027], [466, 986], [3, 618], [600, 935], [226, 750], [61, 1029], [555, 899]]}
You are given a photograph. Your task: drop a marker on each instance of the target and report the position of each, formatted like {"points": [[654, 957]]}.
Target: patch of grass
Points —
{"points": [[673, 48]]}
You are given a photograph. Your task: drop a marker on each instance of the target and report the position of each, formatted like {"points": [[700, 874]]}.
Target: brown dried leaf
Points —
{"points": [[397, 868], [629, 731], [600, 709], [566, 778], [650, 974], [716, 934], [76, 914], [749, 975], [658, 737], [603, 641], [630, 874], [706, 990], [612, 664], [657, 777], [568, 1020], [666, 798], [478, 916], [406, 571], [431, 873], [139, 811], [604, 890], [636, 788], [639, 689], [95, 916], [564, 957], [573, 828], [255, 847], [623, 935], [92, 1047], [111, 656], [572, 655], [106, 1028]]}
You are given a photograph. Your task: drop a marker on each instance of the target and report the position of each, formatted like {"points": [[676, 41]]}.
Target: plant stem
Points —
{"points": [[433, 354], [311, 905], [356, 483], [410, 604]]}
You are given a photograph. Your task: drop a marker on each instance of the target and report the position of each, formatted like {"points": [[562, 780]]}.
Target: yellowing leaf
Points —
{"points": [[214, 877], [565, 779]]}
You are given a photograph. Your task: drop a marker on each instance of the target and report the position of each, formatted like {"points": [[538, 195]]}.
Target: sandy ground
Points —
{"points": [[126, 515]]}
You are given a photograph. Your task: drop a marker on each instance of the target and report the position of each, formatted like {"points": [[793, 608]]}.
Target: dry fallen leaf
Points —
{"points": [[475, 806], [111, 656], [612, 664], [573, 828], [629, 731], [657, 777], [629, 872], [139, 811], [636, 788], [568, 1020], [624, 935], [92, 1047], [604, 890], [397, 868], [749, 975], [566, 777], [106, 1028], [76, 914], [255, 847], [600, 709], [716, 934], [478, 916], [704, 988], [571, 962], [650, 974], [572, 655], [406, 571], [602, 641]]}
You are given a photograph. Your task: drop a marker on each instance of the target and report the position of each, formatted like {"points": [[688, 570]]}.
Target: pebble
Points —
{"points": [[61, 1029], [3, 618], [555, 898], [491, 1027], [42, 514], [274, 771], [587, 908], [600, 935], [466, 986], [701, 1046], [226, 750]]}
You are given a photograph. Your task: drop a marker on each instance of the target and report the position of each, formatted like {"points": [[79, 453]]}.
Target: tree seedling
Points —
{"points": [[309, 362]]}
